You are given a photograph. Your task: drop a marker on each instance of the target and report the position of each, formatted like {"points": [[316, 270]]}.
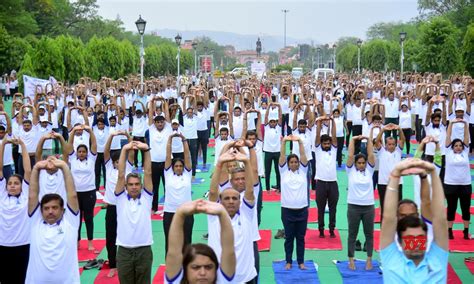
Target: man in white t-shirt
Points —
{"points": [[53, 247]]}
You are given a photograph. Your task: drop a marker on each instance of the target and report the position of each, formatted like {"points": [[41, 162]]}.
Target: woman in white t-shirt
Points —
{"points": [[14, 221], [82, 163], [457, 177], [178, 174], [360, 199], [404, 117], [181, 265], [294, 200]]}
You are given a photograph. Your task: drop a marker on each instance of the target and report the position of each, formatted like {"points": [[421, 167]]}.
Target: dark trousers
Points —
{"points": [[356, 130], [462, 193], [65, 133], [16, 158], [295, 222], [256, 256], [430, 158], [418, 128], [99, 170], [187, 229], [286, 122], [340, 146], [392, 133], [111, 234], [13, 264], [56, 147], [375, 179], [193, 150], [356, 214], [134, 264], [87, 201], [7, 173], [178, 155], [259, 202], [348, 134], [313, 171], [382, 188], [471, 134], [141, 139], [202, 141], [407, 134], [271, 157], [327, 192], [157, 174], [21, 170]]}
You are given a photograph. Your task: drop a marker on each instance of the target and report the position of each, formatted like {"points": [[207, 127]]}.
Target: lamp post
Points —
{"points": [[194, 45], [284, 27], [141, 24], [403, 36], [359, 43], [334, 46], [319, 57], [259, 47], [177, 38]]}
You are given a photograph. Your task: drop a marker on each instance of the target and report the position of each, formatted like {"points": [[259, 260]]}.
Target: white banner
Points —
{"points": [[30, 84]]}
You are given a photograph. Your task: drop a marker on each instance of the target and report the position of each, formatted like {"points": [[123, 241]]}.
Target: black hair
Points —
{"points": [[199, 103], [175, 160], [100, 120], [189, 255], [456, 140], [82, 146], [2, 128], [224, 129], [27, 121], [302, 122], [17, 176], [407, 201], [291, 156], [336, 110], [409, 222], [250, 133], [325, 138], [113, 117], [376, 117], [360, 155], [159, 118], [115, 156], [50, 197]]}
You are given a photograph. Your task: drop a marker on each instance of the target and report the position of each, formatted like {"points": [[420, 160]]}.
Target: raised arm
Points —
{"points": [[147, 179], [120, 186], [72, 200], [248, 195], [438, 212], [93, 140], [350, 152], [401, 138], [169, 154], [282, 159]]}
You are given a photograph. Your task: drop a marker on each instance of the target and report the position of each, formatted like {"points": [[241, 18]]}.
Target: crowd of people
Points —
{"points": [[60, 145]]}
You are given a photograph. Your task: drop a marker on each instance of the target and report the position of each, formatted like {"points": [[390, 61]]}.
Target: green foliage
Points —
{"points": [[131, 57], [16, 20], [391, 31], [347, 57], [12, 50], [152, 61], [108, 53], [72, 50], [439, 51], [374, 54], [468, 49], [282, 67], [26, 69], [47, 59]]}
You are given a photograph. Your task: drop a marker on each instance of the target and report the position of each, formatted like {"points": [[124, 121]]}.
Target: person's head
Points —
{"points": [[100, 123], [390, 144], [302, 124], [404, 108], [224, 133], [360, 161], [82, 152], [391, 96], [133, 185], [14, 184], [377, 120], [237, 111], [41, 111], [272, 123], [2, 131], [406, 207], [200, 106], [412, 227], [336, 113], [112, 121], [27, 125], [358, 102], [457, 145], [189, 112], [52, 208], [139, 113], [293, 162], [115, 156], [200, 264], [248, 104], [178, 166], [436, 119], [237, 179], [251, 136], [230, 199], [159, 122], [459, 113], [326, 142]]}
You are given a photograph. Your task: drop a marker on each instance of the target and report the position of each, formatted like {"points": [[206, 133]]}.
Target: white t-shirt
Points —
{"points": [[83, 172], [326, 164], [405, 120], [458, 128], [189, 128], [361, 189], [7, 152], [271, 139], [458, 171], [391, 108], [178, 189], [158, 142], [30, 138], [307, 142], [294, 187], [339, 126], [101, 137], [82, 139], [438, 133], [259, 153], [219, 145], [52, 183], [134, 220], [111, 181], [387, 162], [202, 117], [139, 126], [14, 223], [238, 124], [116, 140], [53, 249]]}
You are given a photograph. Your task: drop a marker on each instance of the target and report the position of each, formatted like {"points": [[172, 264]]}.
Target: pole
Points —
{"points": [[402, 57], [179, 81], [195, 62], [284, 26], [142, 61], [334, 65], [358, 60]]}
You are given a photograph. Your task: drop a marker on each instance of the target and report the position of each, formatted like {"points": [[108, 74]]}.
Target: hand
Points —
{"points": [[87, 128], [57, 163], [189, 208], [128, 146], [55, 135], [241, 157], [40, 165], [16, 141], [227, 156], [239, 143], [209, 207], [412, 166], [141, 145]]}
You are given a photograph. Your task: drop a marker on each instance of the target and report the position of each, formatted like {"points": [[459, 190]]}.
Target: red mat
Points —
{"points": [[378, 215], [471, 166], [265, 241], [453, 277], [99, 201], [459, 244], [377, 240], [159, 275], [313, 215], [314, 242], [157, 217], [103, 278], [80, 270], [96, 211], [470, 266], [471, 210], [376, 194], [271, 196], [312, 194], [84, 254]]}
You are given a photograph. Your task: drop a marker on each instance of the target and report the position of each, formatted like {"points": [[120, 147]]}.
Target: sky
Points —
{"points": [[320, 20]]}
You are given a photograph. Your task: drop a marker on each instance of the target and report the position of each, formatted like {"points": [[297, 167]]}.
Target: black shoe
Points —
{"points": [[280, 234], [205, 236], [275, 187], [450, 233], [358, 246], [466, 233], [332, 234], [365, 246], [321, 233], [93, 263]]}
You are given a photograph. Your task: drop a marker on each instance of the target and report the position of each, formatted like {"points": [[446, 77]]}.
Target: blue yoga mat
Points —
{"points": [[162, 198], [295, 275], [360, 275], [198, 181]]}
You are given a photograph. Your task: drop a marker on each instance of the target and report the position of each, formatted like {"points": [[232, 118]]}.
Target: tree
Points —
{"points": [[374, 54], [391, 31], [440, 7], [47, 59], [131, 57], [347, 57], [152, 61], [26, 69], [109, 56], [468, 49], [16, 20], [72, 50], [12, 50], [439, 50]]}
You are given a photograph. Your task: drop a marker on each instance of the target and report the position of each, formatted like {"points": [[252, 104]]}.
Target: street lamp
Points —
{"points": [[285, 11], [319, 57], [177, 38], [194, 45], [359, 43], [141, 24], [403, 36], [334, 54], [259, 47]]}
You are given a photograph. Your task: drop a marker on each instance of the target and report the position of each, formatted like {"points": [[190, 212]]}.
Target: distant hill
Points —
{"points": [[239, 41]]}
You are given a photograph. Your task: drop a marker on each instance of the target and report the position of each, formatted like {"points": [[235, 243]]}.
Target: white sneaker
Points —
{"points": [[99, 195]]}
